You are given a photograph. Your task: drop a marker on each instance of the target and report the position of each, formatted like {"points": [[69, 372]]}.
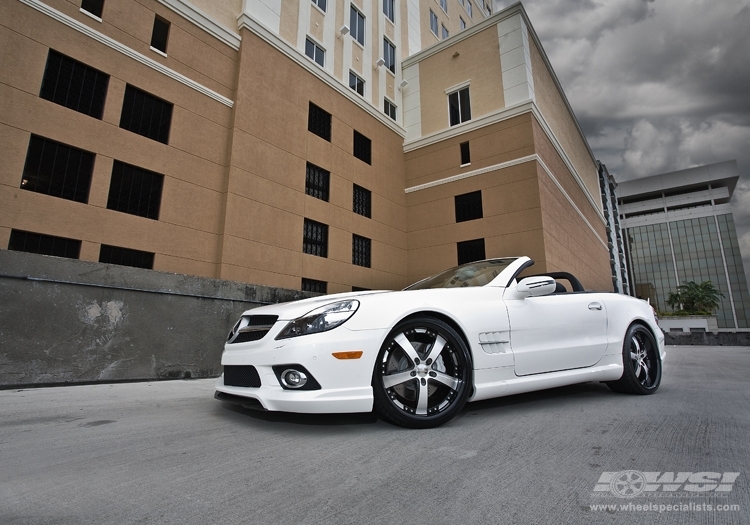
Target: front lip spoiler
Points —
{"points": [[245, 402]]}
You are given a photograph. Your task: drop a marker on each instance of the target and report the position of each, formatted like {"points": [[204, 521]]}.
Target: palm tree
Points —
{"points": [[695, 299]]}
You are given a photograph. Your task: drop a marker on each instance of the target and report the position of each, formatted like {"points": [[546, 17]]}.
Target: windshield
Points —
{"points": [[472, 274]]}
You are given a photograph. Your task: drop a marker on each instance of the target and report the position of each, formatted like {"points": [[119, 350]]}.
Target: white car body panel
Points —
{"points": [[517, 343]]}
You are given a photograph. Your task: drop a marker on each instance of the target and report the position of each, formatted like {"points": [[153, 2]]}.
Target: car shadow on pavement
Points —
{"points": [[367, 418]]}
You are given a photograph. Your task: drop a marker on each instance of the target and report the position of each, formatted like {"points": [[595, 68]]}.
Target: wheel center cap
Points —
{"points": [[423, 370]]}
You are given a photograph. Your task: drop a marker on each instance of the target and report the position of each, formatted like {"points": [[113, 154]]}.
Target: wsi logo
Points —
{"points": [[631, 483]]}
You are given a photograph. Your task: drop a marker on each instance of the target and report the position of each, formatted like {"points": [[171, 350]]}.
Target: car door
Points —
{"points": [[556, 332]]}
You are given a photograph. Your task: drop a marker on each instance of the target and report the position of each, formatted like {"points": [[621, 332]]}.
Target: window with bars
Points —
{"points": [[470, 251], [361, 247], [319, 122], [469, 206], [57, 170], [315, 52], [126, 257], [94, 7], [22, 241], [160, 34], [134, 190], [433, 22], [389, 9], [389, 108], [465, 154], [146, 115], [459, 106], [356, 83], [389, 55], [312, 285], [321, 4], [74, 85], [362, 147], [317, 182], [357, 24], [315, 238], [362, 201]]}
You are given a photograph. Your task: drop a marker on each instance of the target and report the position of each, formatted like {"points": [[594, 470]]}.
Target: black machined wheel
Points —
{"points": [[422, 376], [641, 363]]}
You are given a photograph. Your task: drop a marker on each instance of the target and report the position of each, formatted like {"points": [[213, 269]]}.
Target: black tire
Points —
{"points": [[641, 363], [435, 362]]}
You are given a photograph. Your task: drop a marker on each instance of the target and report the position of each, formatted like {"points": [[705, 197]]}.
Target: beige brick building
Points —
{"points": [[316, 144]]}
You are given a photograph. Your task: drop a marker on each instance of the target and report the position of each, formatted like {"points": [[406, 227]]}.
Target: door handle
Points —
{"points": [[595, 306]]}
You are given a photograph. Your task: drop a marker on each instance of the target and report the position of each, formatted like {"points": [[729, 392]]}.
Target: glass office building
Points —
{"points": [[678, 227]]}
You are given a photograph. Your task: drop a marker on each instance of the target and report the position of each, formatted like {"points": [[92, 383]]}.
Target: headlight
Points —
{"points": [[321, 319]]}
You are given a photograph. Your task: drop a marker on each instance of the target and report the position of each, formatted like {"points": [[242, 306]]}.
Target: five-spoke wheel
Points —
{"points": [[641, 363], [422, 375]]}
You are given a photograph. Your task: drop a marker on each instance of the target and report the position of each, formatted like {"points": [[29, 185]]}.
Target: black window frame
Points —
{"points": [[317, 182], [389, 55], [465, 153], [22, 241], [160, 33], [93, 7], [58, 170], [135, 190], [362, 147], [315, 238], [74, 85], [468, 206], [146, 114], [389, 108], [315, 51], [470, 251], [459, 106], [120, 256], [314, 285], [362, 201], [356, 83], [361, 251], [319, 122], [357, 23]]}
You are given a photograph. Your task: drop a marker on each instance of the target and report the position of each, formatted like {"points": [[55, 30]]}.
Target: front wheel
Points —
{"points": [[641, 362], [422, 376]]}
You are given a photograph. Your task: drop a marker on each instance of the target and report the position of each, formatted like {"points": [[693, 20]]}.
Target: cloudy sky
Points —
{"points": [[657, 85]]}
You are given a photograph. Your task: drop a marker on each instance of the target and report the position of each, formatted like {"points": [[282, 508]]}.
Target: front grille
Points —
{"points": [[241, 375], [260, 320], [251, 328], [246, 337]]}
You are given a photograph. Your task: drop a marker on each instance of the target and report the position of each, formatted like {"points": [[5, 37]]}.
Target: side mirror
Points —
{"points": [[537, 286]]}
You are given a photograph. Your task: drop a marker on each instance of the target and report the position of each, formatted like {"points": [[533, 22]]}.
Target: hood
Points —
{"points": [[295, 309]]}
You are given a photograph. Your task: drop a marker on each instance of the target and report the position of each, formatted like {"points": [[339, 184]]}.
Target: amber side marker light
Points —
{"points": [[355, 354]]}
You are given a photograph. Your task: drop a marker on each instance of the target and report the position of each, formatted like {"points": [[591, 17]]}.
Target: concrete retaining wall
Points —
{"points": [[70, 321], [708, 338]]}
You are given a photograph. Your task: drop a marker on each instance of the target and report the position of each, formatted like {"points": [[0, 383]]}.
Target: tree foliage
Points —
{"points": [[695, 299]]}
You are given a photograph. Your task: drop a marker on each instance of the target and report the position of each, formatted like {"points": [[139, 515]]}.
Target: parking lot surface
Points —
{"points": [[167, 452]]}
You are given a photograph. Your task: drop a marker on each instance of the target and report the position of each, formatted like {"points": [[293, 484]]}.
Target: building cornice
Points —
{"points": [[203, 21], [125, 50]]}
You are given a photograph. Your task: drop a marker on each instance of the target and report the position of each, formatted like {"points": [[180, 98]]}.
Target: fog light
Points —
{"points": [[293, 378]]}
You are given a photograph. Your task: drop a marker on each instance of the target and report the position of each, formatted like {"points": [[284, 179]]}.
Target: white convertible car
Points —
{"points": [[416, 356]]}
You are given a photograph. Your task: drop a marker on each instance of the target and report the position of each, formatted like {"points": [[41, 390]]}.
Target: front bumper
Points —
{"points": [[346, 384]]}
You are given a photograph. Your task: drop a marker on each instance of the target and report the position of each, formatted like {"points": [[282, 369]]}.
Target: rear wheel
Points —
{"points": [[422, 376], [641, 372]]}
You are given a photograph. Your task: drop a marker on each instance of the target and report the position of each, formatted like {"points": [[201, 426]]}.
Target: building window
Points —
{"points": [[389, 108], [469, 206], [314, 51], [135, 191], [58, 170], [126, 257], [389, 55], [311, 285], [444, 5], [319, 122], [357, 23], [317, 182], [74, 85], [389, 9], [469, 9], [146, 114], [22, 241], [470, 251], [94, 7], [321, 4], [433, 22], [362, 147], [465, 154], [361, 251], [461, 23], [487, 9], [362, 201], [356, 83], [160, 34], [315, 238], [445, 31], [459, 107]]}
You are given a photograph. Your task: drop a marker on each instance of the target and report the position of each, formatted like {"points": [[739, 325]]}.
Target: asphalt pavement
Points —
{"points": [[167, 452]]}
